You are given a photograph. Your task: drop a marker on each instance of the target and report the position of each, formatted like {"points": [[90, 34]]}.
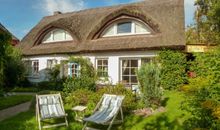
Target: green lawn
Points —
{"points": [[6, 102], [172, 119]]}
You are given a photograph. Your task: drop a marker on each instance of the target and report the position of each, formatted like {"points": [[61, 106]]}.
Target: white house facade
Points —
{"points": [[117, 40]]}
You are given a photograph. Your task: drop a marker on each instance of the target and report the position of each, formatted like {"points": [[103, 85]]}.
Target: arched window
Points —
{"points": [[57, 35], [126, 27]]}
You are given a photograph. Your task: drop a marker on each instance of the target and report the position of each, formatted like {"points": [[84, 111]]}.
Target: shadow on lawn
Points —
{"points": [[160, 122], [27, 121]]}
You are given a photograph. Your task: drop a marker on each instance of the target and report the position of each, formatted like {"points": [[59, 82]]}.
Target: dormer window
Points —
{"points": [[57, 35], [128, 27]]}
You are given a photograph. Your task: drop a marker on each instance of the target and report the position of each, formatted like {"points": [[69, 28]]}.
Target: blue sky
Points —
{"points": [[19, 16]]}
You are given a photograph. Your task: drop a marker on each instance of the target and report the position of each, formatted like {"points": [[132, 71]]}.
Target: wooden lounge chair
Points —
{"points": [[106, 111], [50, 107]]}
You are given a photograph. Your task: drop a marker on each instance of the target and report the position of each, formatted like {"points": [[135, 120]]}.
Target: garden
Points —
{"points": [[178, 91]]}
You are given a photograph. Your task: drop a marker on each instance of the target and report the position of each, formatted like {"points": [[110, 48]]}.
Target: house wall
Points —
{"points": [[113, 62]]}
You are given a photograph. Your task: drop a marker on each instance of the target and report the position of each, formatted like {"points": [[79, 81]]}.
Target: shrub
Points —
{"points": [[11, 66], [207, 64], [50, 85], [149, 79], [203, 97], [54, 73], [129, 102], [83, 97], [25, 89], [1, 92], [86, 78], [173, 69], [202, 101]]}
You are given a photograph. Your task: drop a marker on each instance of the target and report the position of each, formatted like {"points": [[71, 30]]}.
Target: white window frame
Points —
{"points": [[33, 68], [70, 69], [133, 23], [97, 59], [139, 59], [51, 33]]}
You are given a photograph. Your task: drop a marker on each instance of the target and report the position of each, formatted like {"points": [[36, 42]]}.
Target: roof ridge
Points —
{"points": [[96, 8]]}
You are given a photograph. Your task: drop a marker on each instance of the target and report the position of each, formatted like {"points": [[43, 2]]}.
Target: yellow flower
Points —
{"points": [[216, 112], [208, 104]]}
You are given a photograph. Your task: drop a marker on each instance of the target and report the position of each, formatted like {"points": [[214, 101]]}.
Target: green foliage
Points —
{"points": [[54, 73], [13, 100], [207, 21], [173, 69], [203, 95], [207, 64], [129, 103], [25, 89], [202, 102], [83, 97], [4, 44], [12, 69], [86, 78], [90, 98], [149, 79]]}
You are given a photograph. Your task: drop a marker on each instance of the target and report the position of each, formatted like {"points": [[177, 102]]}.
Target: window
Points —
{"points": [[128, 71], [124, 27], [74, 70], [51, 63], [57, 35], [32, 67], [35, 67], [28, 66], [64, 68], [129, 27], [128, 68], [102, 67]]}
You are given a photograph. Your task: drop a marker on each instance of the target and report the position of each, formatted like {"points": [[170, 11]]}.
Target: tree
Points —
{"points": [[207, 18], [4, 44], [11, 66], [149, 78]]}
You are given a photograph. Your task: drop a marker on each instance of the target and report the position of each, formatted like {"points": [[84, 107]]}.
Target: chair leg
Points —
{"points": [[66, 121], [39, 123], [84, 127], [122, 116]]}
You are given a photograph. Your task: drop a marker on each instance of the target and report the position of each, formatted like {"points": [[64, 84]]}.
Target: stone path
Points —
{"points": [[12, 111]]}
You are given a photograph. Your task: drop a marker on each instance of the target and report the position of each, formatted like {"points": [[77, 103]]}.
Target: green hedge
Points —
{"points": [[173, 69]]}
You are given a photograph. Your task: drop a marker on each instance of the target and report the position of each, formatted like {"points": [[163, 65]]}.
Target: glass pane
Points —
{"points": [[124, 27], [105, 62], [49, 63], [140, 28], [99, 74], [58, 35], [105, 69], [125, 71], [68, 36], [134, 63], [134, 79], [109, 32], [125, 79], [133, 71], [125, 63], [47, 38], [99, 62]]}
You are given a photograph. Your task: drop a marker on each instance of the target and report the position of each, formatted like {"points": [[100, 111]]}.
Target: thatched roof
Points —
{"points": [[165, 17]]}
